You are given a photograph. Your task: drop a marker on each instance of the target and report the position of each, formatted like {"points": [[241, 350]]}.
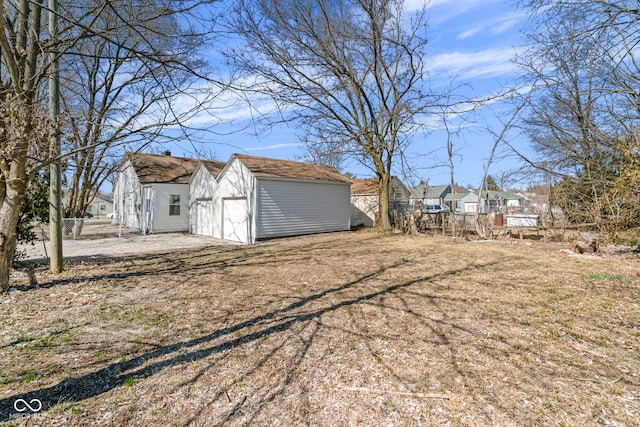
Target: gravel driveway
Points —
{"points": [[129, 244]]}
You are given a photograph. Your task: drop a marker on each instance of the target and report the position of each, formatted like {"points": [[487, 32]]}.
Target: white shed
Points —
{"points": [[151, 193], [260, 198]]}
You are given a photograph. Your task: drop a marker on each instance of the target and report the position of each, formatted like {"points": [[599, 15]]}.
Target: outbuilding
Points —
{"points": [[261, 198], [364, 200], [151, 193]]}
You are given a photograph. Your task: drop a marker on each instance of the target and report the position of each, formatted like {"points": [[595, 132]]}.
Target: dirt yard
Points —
{"points": [[344, 329]]}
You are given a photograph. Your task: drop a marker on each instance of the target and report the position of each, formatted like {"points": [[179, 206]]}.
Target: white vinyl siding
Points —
{"points": [[162, 219], [126, 197], [363, 210], [287, 208], [202, 191]]}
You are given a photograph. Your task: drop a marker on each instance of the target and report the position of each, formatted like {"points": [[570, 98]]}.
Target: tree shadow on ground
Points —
{"points": [[269, 324], [183, 261]]}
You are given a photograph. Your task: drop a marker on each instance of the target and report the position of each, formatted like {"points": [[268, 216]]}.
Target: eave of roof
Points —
{"points": [[263, 167]]}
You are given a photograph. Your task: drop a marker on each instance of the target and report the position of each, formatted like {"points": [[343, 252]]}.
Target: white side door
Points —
{"points": [[204, 217], [235, 220]]}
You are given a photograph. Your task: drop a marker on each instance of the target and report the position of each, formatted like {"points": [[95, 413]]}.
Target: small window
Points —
{"points": [[174, 205]]}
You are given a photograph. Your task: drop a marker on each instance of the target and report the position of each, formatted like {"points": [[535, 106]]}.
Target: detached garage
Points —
{"points": [[152, 192], [260, 198]]}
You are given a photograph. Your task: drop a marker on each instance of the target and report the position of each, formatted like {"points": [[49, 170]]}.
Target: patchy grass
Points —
{"points": [[359, 328]]}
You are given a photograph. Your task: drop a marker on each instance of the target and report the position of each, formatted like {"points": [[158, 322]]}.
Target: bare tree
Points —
{"points": [[24, 67], [586, 99], [22, 136], [113, 96], [452, 131], [323, 152], [350, 72], [507, 178], [499, 138]]}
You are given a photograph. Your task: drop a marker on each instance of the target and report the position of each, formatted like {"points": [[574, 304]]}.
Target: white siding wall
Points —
{"points": [[161, 220], [202, 189], [127, 197], [147, 208], [235, 182], [363, 209], [288, 208]]}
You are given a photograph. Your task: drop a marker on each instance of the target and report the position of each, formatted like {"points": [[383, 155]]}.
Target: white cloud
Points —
{"points": [[483, 63], [499, 25], [444, 10], [412, 5], [471, 32]]}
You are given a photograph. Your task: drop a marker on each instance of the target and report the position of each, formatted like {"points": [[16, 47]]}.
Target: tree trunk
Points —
{"points": [[383, 219], [9, 216], [7, 251]]}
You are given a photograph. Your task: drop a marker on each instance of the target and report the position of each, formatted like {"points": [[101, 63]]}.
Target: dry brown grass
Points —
{"points": [[337, 329]]}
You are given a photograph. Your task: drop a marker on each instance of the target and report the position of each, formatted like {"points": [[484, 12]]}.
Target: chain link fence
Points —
{"points": [[87, 229]]}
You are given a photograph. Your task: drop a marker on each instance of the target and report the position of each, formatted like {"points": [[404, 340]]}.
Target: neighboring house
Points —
{"points": [[459, 194], [101, 206], [151, 193], [438, 195], [428, 195], [259, 198], [469, 202], [500, 202], [539, 203], [364, 200]]}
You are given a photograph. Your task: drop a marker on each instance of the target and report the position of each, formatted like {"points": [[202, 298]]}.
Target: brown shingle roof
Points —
{"points": [[263, 167], [213, 167], [154, 168], [364, 186]]}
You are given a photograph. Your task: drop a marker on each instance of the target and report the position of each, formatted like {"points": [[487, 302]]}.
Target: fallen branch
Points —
{"points": [[578, 347], [397, 393]]}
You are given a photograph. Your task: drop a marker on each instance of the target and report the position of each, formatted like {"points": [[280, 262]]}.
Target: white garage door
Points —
{"points": [[234, 220], [288, 208], [204, 218]]}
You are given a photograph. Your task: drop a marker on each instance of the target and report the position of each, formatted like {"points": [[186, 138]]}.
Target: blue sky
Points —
{"points": [[473, 41]]}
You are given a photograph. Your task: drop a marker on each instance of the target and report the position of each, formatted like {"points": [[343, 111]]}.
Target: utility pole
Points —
{"points": [[55, 185]]}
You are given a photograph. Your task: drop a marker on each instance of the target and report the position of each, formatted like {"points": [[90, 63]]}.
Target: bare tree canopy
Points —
{"points": [[113, 96], [585, 105], [349, 72], [142, 40]]}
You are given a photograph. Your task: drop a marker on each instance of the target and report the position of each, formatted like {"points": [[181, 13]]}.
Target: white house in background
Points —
{"points": [[152, 192], [259, 198], [364, 200], [439, 195], [469, 202], [493, 201]]}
